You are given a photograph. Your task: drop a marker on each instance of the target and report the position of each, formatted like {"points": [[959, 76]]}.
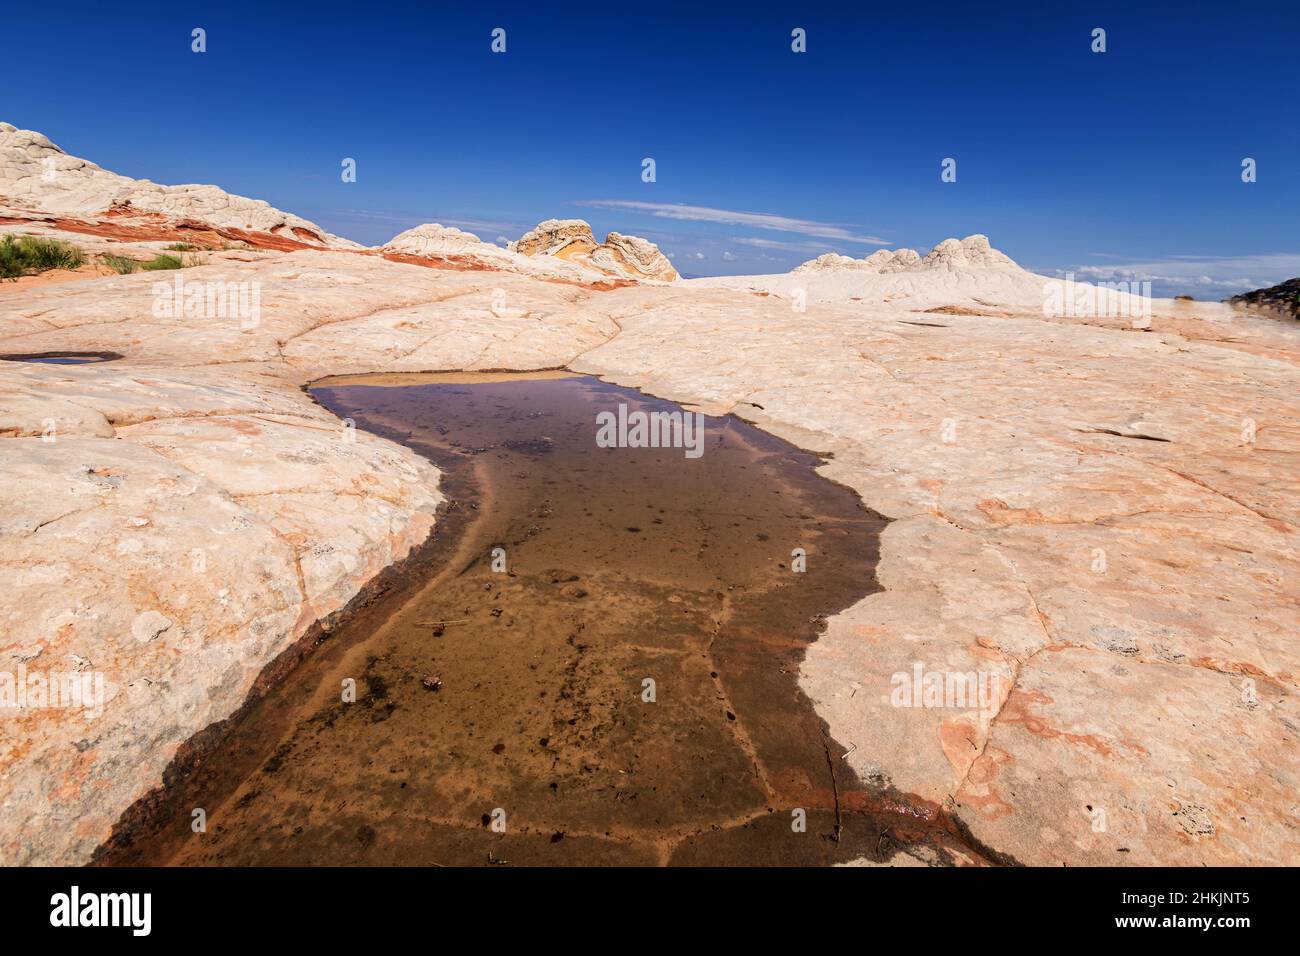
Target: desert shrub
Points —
{"points": [[27, 255], [122, 265], [162, 261]]}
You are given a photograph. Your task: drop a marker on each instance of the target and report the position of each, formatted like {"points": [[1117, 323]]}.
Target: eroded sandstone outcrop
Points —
{"points": [[634, 256], [1281, 299], [435, 243], [35, 174], [563, 238], [572, 240]]}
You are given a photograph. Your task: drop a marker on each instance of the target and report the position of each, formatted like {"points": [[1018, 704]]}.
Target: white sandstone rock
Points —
{"points": [[36, 174]]}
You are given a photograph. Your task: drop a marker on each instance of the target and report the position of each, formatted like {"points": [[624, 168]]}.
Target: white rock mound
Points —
{"points": [[893, 260], [35, 174], [958, 276], [967, 275], [433, 239], [951, 254], [878, 263], [971, 252], [831, 261]]}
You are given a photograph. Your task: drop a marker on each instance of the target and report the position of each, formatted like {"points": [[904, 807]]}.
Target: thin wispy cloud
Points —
{"points": [[756, 220], [781, 244], [473, 225]]}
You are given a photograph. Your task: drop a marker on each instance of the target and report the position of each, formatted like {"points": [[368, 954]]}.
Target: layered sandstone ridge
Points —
{"points": [[36, 175]]}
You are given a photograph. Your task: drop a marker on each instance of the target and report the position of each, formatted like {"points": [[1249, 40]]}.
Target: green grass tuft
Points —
{"points": [[28, 255], [162, 261], [122, 265]]}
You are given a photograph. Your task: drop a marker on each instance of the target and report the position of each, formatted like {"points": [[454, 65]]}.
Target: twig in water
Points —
{"points": [[835, 787]]}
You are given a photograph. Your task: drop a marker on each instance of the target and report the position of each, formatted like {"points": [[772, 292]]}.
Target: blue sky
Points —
{"points": [[1103, 164]]}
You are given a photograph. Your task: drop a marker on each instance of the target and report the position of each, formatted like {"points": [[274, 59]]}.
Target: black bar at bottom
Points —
{"points": [[343, 907]]}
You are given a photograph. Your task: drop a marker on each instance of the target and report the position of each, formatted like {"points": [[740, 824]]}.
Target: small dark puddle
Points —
{"points": [[521, 698], [61, 358]]}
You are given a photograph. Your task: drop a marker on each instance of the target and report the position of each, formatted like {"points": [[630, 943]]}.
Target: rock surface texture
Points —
{"points": [[1098, 516]]}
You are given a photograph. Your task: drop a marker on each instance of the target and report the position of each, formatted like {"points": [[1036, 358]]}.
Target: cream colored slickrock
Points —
{"points": [[1103, 515]]}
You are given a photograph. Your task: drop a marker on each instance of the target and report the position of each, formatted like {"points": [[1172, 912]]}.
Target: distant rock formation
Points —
{"points": [[435, 239], [37, 175], [971, 252], [895, 260], [558, 247], [635, 256], [830, 261], [40, 183], [1283, 298], [564, 238], [572, 240]]}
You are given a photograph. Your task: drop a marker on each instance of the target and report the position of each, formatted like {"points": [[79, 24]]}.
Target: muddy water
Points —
{"points": [[623, 692]]}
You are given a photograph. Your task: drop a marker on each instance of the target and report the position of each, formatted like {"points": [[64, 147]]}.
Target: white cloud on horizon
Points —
{"points": [[1219, 274], [757, 220]]}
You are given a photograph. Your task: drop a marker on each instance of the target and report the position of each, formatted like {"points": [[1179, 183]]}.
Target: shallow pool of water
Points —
{"points": [[61, 358], [594, 661]]}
